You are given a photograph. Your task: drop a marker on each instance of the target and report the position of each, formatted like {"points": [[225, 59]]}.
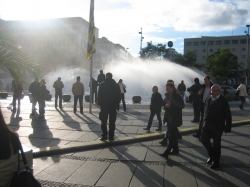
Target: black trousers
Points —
{"points": [[196, 111], [34, 100], [41, 103], [80, 98], [94, 91], [173, 140], [16, 97], [213, 149], [201, 109], [151, 117], [108, 112], [123, 101], [58, 94]]}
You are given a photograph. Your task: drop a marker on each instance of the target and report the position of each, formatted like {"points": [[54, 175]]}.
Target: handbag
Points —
{"points": [[247, 100], [124, 89], [237, 92], [23, 178]]}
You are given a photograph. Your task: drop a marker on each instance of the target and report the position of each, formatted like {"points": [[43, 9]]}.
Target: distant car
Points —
{"points": [[231, 92]]}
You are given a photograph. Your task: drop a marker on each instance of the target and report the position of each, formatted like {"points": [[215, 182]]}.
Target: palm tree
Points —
{"points": [[13, 58]]}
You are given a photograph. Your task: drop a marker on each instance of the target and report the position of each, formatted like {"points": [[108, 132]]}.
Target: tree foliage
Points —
{"points": [[223, 65], [13, 58], [188, 59], [154, 51]]}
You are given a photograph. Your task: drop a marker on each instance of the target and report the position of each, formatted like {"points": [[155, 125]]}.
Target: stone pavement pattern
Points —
{"points": [[127, 165]]}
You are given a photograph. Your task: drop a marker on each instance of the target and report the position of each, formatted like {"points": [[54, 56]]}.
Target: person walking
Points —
{"points": [[109, 96], [217, 119], [204, 93], [182, 88], [41, 100], [194, 89], [155, 108], [9, 146], [58, 85], [78, 92], [94, 90], [17, 94], [34, 90], [122, 87], [243, 94], [175, 105]]}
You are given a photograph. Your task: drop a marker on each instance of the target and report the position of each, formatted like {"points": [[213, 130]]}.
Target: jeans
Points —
{"points": [[76, 98], [16, 97], [151, 117], [123, 102], [242, 101], [34, 100], [196, 111], [41, 106]]}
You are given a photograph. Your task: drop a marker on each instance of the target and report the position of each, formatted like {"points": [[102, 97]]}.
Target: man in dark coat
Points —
{"points": [[175, 105], [155, 108], [94, 89], [34, 90], [101, 77], [58, 85], [194, 89], [217, 112], [109, 96], [204, 94], [182, 88]]}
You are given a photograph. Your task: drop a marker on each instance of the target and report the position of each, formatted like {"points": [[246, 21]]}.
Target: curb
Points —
{"points": [[64, 149]]}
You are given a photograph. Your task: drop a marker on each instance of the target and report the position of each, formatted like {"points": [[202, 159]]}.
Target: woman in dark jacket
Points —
{"points": [[155, 108], [42, 95], [9, 145], [175, 105]]}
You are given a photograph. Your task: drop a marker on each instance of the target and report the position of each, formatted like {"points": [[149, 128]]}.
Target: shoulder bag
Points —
{"points": [[23, 178]]}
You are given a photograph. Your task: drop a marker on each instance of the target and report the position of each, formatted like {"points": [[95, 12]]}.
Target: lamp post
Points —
{"points": [[247, 68], [141, 41]]}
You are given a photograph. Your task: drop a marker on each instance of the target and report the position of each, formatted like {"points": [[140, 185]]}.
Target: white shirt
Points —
{"points": [[121, 87], [242, 89], [206, 93]]}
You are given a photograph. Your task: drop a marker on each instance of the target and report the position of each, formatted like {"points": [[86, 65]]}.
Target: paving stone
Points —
{"points": [[138, 123], [40, 164], [237, 176], [130, 130], [90, 136], [207, 177], [74, 135], [200, 154], [55, 142], [126, 122], [134, 153], [89, 173], [153, 154], [185, 155], [117, 174], [88, 154], [235, 155], [180, 176], [37, 142], [112, 152], [60, 171], [147, 175]]}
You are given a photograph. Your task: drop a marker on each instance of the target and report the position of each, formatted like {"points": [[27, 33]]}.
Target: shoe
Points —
{"points": [[174, 152], [111, 138], [103, 138], [215, 165], [81, 112], [164, 155], [163, 142], [146, 129], [158, 129], [196, 135], [209, 160]]}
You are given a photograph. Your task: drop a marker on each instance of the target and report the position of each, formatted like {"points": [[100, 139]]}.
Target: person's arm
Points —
{"points": [[62, 85], [73, 89], [124, 85], [228, 117], [83, 89]]}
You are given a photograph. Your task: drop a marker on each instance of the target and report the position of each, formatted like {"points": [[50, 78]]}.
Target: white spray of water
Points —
{"points": [[139, 77]]}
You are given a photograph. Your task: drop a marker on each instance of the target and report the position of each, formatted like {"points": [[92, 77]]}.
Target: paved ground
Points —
{"points": [[135, 164]]}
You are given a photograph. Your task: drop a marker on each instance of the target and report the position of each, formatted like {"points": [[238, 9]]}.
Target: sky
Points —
{"points": [[161, 20]]}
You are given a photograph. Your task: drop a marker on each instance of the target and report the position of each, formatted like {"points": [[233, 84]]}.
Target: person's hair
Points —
{"points": [[36, 78], [109, 75], [242, 82], [208, 77], [101, 71], [182, 81], [59, 78], [170, 81], [196, 80], [78, 78], [119, 81], [155, 87], [7, 138], [42, 80], [171, 85]]}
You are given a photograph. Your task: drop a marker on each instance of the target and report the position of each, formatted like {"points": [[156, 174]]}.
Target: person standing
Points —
{"points": [[109, 96], [122, 87], [41, 100], [182, 88], [58, 85], [217, 119], [155, 108], [194, 89], [78, 92], [175, 105], [34, 90], [94, 89], [100, 77], [204, 93], [18, 90], [243, 94]]}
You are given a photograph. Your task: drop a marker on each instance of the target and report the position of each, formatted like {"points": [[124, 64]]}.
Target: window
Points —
{"points": [[203, 43], [235, 41], [188, 43], [218, 42], [210, 42], [211, 50], [243, 41], [243, 49], [226, 42], [195, 43]]}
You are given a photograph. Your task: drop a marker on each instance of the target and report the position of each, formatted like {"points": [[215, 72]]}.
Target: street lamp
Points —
{"points": [[141, 41], [247, 71]]}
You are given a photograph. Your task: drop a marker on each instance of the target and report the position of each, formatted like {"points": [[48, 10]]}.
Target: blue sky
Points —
{"points": [[161, 20]]}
